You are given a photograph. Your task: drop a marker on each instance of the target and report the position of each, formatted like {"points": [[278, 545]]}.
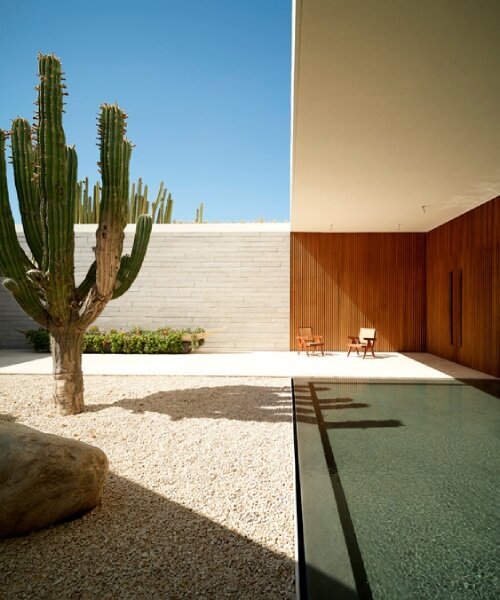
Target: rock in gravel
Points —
{"points": [[45, 478]]}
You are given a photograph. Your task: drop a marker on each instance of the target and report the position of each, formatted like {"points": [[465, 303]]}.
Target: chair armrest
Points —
{"points": [[353, 338], [318, 338], [369, 339]]}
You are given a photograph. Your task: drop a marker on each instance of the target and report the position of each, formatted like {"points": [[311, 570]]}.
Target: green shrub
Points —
{"points": [[133, 343], [137, 341], [95, 342], [174, 342], [164, 340], [116, 342], [39, 338]]}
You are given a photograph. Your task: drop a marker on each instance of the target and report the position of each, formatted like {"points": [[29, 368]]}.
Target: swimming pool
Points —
{"points": [[398, 488]]}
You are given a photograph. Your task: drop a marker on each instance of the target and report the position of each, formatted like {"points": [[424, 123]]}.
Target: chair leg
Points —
{"points": [[364, 354]]}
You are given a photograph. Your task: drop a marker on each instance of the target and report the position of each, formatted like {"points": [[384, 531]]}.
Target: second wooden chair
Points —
{"points": [[365, 341]]}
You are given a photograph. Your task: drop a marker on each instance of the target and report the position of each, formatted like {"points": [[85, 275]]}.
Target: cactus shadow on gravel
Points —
{"points": [[139, 544], [239, 402], [9, 418]]}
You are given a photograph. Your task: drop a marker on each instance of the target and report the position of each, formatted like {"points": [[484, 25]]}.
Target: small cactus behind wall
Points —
{"points": [[199, 214], [87, 205]]}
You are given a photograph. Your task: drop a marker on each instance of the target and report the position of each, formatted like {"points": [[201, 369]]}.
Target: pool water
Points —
{"points": [[399, 489]]}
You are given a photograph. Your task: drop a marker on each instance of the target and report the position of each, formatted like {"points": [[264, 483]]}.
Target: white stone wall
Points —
{"points": [[234, 278]]}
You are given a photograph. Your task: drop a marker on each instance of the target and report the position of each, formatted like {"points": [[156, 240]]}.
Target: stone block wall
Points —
{"points": [[234, 278]]}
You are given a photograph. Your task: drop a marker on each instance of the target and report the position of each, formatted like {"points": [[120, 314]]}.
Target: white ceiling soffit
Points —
{"points": [[396, 113]]}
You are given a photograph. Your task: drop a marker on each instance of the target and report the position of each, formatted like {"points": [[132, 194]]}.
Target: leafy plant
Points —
{"points": [[39, 338], [164, 340]]}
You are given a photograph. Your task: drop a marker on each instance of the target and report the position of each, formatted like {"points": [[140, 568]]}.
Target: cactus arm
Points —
{"points": [[97, 202], [86, 201], [51, 147], [88, 283], [159, 216], [72, 192], [159, 199], [199, 214], [82, 202], [93, 303], [131, 203], [144, 204], [130, 265], [154, 208], [78, 203], [27, 300], [53, 158], [133, 215], [23, 161], [168, 209], [137, 199], [13, 260], [115, 153], [14, 263]]}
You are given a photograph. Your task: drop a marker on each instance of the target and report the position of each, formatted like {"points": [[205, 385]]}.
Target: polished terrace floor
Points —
{"points": [[386, 365]]}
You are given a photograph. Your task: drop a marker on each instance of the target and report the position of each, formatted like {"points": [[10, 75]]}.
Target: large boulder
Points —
{"points": [[45, 478]]}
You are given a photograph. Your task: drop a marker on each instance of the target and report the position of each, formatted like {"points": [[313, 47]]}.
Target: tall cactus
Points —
{"points": [[45, 175]]}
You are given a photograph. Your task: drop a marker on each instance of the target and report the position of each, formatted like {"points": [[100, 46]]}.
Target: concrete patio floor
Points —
{"points": [[386, 365]]}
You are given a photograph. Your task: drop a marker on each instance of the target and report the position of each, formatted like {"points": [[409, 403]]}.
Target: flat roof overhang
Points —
{"points": [[396, 113]]}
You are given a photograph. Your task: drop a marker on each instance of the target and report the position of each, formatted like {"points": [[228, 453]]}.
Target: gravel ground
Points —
{"points": [[198, 502]]}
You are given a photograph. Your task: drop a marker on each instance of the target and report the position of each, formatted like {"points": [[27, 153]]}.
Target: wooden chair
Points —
{"points": [[309, 342], [365, 341]]}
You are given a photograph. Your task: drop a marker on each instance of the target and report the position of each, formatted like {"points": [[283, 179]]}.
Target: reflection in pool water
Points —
{"points": [[399, 488]]}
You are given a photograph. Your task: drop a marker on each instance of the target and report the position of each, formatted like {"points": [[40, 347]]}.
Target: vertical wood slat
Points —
{"points": [[343, 281], [495, 289], [451, 317], [469, 247]]}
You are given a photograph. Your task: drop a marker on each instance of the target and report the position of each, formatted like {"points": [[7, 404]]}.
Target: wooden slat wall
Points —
{"points": [[495, 313], [470, 244], [343, 281]]}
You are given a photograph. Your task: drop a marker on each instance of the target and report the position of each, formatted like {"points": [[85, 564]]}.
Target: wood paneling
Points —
{"points": [[468, 247], [399, 283], [343, 281]]}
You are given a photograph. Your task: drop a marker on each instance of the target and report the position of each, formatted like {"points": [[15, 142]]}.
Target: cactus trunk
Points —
{"points": [[66, 345]]}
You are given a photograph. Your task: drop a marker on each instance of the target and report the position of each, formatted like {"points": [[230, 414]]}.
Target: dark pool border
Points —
{"points": [[351, 539], [300, 571], [357, 565]]}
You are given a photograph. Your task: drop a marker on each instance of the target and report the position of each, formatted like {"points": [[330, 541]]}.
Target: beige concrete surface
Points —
{"points": [[386, 365]]}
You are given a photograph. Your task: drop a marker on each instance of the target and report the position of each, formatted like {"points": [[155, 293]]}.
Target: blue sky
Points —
{"points": [[206, 85]]}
